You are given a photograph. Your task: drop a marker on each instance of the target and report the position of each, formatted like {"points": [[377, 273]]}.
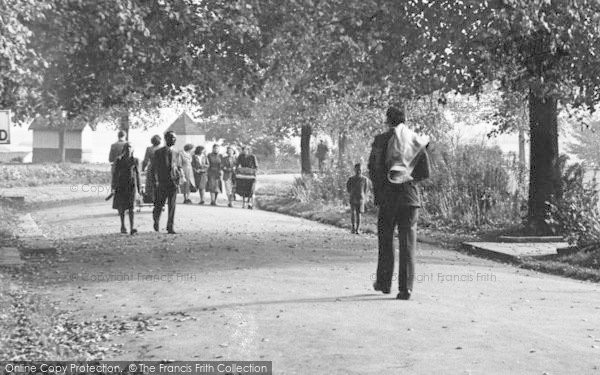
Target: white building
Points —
{"points": [[47, 142], [187, 131]]}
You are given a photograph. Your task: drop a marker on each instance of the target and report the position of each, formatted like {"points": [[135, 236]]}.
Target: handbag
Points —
{"points": [[193, 188], [246, 171]]}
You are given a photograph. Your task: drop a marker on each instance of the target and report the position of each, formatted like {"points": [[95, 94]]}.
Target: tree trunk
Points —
{"points": [[522, 161], [62, 151], [124, 124], [305, 134], [544, 173], [342, 143]]}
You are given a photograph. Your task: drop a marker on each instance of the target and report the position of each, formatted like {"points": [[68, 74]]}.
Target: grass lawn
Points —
{"points": [[7, 222], [18, 175]]}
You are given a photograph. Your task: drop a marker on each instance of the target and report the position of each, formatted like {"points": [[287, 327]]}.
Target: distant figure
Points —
{"points": [[245, 177], [126, 180], [398, 159], [116, 149], [200, 167], [234, 181], [322, 151], [358, 188], [187, 181], [167, 176], [229, 174], [147, 165], [213, 185]]}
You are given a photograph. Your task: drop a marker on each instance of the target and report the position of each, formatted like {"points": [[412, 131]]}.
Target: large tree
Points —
{"points": [[118, 52], [20, 65], [544, 50], [78, 60]]}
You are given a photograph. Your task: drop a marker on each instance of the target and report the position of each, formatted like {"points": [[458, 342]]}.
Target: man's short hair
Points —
{"points": [[394, 116], [121, 133], [357, 165], [170, 133]]}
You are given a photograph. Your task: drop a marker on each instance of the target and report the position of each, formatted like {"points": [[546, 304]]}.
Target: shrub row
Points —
{"points": [[14, 175], [470, 186]]}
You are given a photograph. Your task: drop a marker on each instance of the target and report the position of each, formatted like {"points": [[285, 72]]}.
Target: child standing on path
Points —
{"points": [[358, 187]]}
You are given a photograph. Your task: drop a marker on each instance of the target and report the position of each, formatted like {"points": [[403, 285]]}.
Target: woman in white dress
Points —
{"points": [[187, 182]]}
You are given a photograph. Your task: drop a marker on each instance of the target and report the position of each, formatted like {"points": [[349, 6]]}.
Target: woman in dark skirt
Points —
{"points": [[215, 163], [126, 180], [245, 177]]}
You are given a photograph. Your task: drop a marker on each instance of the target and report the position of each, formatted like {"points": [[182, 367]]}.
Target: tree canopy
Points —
{"points": [[282, 63]]}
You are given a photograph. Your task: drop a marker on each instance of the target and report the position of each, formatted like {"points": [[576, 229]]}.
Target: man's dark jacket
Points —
{"points": [[378, 173], [166, 168]]}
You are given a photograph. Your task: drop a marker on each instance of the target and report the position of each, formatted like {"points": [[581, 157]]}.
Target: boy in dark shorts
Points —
{"points": [[358, 187]]}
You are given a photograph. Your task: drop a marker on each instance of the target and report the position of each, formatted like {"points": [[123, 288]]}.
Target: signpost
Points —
{"points": [[4, 127]]}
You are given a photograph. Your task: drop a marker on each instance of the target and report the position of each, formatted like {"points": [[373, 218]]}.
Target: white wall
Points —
{"points": [[45, 139], [87, 142], [73, 139], [97, 143]]}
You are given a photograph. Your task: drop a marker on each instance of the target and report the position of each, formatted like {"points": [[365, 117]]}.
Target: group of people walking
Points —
{"points": [[213, 173], [398, 160], [169, 172]]}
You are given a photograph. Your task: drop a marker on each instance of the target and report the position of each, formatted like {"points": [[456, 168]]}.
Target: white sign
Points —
{"points": [[5, 127]]}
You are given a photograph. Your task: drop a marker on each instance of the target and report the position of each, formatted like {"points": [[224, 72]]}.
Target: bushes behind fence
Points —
{"points": [[470, 186]]}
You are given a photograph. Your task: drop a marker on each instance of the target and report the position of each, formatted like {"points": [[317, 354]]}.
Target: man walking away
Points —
{"points": [[357, 187], [116, 149], [322, 151], [167, 175], [398, 160]]}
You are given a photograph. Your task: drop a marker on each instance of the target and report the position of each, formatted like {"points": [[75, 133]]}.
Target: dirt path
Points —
{"points": [[252, 285]]}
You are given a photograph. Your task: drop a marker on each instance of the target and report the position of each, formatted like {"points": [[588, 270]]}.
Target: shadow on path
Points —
{"points": [[333, 299]]}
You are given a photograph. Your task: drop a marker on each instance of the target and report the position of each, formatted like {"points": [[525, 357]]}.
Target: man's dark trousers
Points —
{"points": [[393, 212], [168, 195]]}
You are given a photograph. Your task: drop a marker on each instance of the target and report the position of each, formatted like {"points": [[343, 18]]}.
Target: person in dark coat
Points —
{"points": [[245, 176], [214, 184], [322, 152], [116, 149], [357, 187], [147, 165], [167, 176], [398, 202], [126, 183]]}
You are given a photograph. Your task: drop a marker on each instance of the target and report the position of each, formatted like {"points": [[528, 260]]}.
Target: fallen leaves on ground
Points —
{"points": [[35, 330]]}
